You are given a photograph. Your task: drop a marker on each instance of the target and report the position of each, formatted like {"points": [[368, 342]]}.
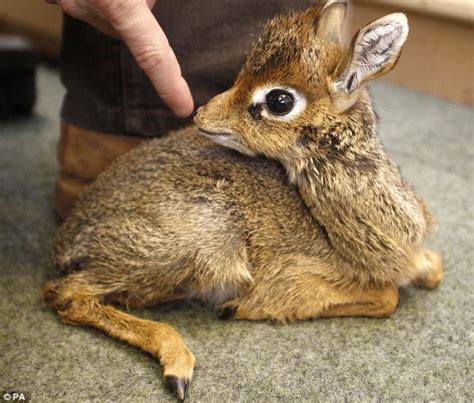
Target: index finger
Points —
{"points": [[149, 46]]}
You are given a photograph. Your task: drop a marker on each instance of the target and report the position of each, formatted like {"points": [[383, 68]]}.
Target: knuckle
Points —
{"points": [[152, 58], [107, 7], [122, 14], [116, 11]]}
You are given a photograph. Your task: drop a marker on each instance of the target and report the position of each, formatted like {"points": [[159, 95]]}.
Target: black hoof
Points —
{"points": [[177, 386], [228, 312]]}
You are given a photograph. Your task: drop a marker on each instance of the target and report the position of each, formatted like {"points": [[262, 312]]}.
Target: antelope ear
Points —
{"points": [[374, 51], [331, 20]]}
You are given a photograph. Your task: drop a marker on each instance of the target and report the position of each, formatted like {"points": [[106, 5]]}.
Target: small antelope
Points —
{"points": [[280, 204]]}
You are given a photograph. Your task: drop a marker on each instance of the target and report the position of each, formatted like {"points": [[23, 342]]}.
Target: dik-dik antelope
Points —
{"points": [[280, 204]]}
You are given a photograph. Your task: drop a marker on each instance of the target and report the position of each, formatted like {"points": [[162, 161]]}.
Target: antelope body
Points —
{"points": [[280, 203]]}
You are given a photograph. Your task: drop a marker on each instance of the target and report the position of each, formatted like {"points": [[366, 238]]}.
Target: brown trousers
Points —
{"points": [[106, 91]]}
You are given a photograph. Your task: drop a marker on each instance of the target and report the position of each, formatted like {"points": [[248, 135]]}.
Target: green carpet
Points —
{"points": [[422, 353]]}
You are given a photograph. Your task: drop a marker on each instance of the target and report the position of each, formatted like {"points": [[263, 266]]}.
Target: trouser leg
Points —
{"points": [[105, 89]]}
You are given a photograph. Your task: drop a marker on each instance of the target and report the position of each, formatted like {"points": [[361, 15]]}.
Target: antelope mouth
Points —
{"points": [[221, 134], [226, 139]]}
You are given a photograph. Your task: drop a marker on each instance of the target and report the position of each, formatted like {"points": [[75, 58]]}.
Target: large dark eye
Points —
{"points": [[279, 102]]}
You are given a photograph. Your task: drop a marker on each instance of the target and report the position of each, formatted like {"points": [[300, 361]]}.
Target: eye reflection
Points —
{"points": [[279, 102]]}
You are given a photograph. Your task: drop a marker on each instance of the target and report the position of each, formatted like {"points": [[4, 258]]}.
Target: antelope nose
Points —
{"points": [[198, 116]]}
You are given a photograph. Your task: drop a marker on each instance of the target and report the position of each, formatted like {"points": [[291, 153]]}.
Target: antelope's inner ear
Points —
{"points": [[374, 51], [331, 21]]}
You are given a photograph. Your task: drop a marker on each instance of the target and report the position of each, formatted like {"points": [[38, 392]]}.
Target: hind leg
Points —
{"points": [[78, 301], [430, 269]]}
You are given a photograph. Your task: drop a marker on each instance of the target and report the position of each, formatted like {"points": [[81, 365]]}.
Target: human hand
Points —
{"points": [[134, 23]]}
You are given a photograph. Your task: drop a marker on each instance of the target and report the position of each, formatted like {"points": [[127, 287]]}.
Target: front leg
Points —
{"points": [[430, 269], [307, 296]]}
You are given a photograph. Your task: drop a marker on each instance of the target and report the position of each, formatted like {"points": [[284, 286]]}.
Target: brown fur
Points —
{"points": [[318, 222]]}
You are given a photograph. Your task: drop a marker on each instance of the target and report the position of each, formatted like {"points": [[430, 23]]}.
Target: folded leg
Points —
{"points": [[304, 296], [430, 270]]}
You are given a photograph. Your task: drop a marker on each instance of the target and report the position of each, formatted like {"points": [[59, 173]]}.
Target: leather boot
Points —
{"points": [[82, 155]]}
